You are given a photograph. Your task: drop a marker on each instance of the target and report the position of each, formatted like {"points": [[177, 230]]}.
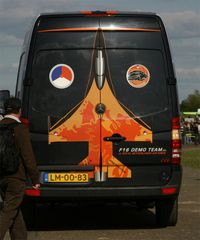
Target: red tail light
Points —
{"points": [[86, 12], [176, 141], [168, 191], [176, 123], [32, 192], [25, 121], [176, 144], [112, 12], [99, 13]]}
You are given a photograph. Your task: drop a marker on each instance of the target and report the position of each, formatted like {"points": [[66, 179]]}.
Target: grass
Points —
{"points": [[191, 156]]}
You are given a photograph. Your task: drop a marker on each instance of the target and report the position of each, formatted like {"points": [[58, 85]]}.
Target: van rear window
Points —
{"points": [[63, 40], [143, 40], [48, 96], [139, 79], [125, 51]]}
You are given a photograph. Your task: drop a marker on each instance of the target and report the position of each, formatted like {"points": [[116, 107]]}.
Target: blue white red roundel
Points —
{"points": [[61, 76]]}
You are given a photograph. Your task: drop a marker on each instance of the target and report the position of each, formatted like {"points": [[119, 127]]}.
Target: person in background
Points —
{"points": [[12, 187], [196, 133], [198, 126]]}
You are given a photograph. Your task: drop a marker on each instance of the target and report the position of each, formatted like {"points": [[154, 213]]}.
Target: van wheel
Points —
{"points": [[29, 213], [167, 212]]}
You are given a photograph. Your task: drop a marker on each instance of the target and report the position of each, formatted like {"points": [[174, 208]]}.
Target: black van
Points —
{"points": [[99, 95]]}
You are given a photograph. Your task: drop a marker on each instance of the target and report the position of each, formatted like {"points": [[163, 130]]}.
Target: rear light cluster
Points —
{"points": [[25, 121], [168, 191], [32, 192], [176, 141], [99, 13]]}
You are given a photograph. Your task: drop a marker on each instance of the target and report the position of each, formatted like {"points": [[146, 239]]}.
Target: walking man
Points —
{"points": [[12, 186]]}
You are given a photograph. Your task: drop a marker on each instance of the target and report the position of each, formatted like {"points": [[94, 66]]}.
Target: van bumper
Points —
{"points": [[109, 192], [100, 193]]}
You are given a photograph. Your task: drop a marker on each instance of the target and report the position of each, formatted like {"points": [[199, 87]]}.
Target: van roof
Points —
{"points": [[99, 13], [82, 14]]}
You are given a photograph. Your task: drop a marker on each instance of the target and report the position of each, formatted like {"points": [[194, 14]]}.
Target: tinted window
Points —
{"points": [[61, 21], [20, 76], [47, 100], [66, 38], [130, 22], [144, 40], [145, 100], [61, 40]]}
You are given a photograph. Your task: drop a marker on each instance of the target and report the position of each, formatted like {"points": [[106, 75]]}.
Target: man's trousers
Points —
{"points": [[12, 193]]}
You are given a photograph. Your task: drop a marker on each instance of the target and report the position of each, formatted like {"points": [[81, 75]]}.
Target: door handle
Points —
{"points": [[114, 138]]}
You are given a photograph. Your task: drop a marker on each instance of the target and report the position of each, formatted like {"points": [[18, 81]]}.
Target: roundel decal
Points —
{"points": [[138, 76], [61, 76]]}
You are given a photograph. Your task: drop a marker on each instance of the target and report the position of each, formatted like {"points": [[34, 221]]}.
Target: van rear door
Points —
{"points": [[63, 96], [136, 124], [99, 100]]}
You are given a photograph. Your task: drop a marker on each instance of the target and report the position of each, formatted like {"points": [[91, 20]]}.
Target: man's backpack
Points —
{"points": [[9, 154]]}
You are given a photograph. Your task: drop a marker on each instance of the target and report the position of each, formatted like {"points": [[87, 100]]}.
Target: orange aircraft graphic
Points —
{"points": [[86, 125]]}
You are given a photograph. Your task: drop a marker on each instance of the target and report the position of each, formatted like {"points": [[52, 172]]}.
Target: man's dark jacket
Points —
{"points": [[27, 167]]}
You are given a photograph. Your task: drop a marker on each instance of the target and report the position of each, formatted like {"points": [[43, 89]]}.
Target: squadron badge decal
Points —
{"points": [[138, 76], [61, 76]]}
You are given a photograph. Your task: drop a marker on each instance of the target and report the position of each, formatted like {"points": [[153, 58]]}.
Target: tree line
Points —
{"points": [[191, 103]]}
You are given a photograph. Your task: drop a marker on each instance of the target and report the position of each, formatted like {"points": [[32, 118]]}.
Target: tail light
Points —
{"points": [[32, 192], [99, 13], [176, 141], [25, 121], [168, 191], [176, 123]]}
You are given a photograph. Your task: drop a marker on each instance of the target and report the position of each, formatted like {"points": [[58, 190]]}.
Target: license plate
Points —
{"points": [[66, 177]]}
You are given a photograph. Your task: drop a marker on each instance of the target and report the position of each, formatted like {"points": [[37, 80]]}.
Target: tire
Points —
{"points": [[167, 212]]}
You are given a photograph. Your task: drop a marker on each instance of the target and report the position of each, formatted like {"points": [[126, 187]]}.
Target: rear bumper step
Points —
{"points": [[104, 193]]}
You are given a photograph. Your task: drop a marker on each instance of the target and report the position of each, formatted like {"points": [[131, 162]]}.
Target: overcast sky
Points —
{"points": [[181, 18]]}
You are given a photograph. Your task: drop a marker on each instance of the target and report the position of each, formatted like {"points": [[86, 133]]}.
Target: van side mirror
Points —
{"points": [[4, 95]]}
